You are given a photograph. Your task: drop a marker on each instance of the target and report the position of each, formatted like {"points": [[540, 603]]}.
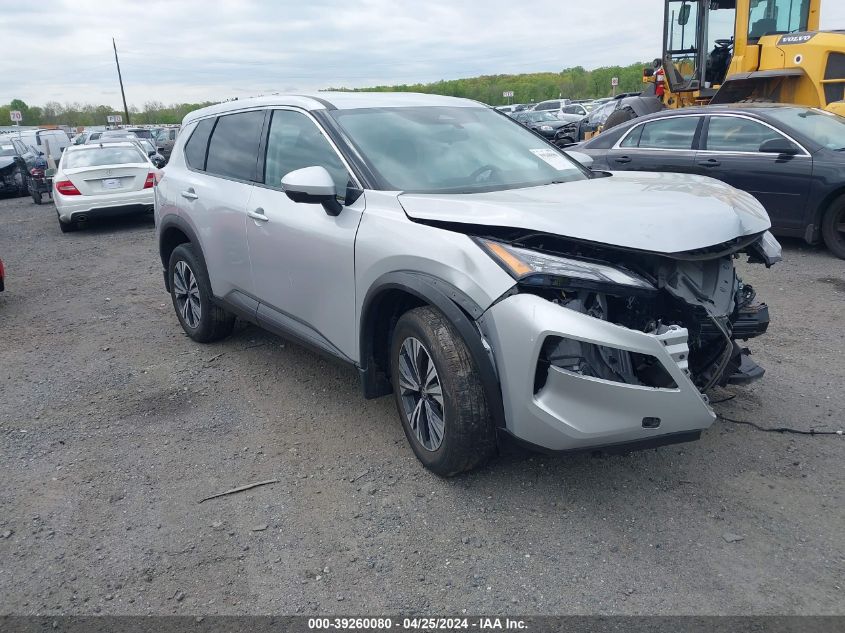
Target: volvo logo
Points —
{"points": [[799, 38]]}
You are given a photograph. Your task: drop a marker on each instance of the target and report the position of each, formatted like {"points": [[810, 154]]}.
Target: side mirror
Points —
{"points": [[312, 185], [158, 161], [683, 15], [585, 159], [780, 146]]}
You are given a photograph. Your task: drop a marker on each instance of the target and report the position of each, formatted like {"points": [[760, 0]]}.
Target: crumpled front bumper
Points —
{"points": [[571, 411]]}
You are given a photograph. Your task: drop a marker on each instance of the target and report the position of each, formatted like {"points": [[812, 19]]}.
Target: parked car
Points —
{"points": [[544, 123], [554, 106], [16, 159], [108, 179], [111, 134], [791, 158], [140, 132], [608, 114], [494, 285], [164, 141], [40, 140], [580, 109], [144, 144], [576, 131]]}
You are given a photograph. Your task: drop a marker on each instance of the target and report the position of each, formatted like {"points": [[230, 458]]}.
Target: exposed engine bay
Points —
{"points": [[698, 291]]}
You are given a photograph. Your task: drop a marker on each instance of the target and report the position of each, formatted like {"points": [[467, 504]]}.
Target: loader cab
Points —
{"points": [[698, 43], [777, 17]]}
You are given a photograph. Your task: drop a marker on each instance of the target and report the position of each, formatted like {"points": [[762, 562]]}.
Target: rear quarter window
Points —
{"points": [[195, 148]]}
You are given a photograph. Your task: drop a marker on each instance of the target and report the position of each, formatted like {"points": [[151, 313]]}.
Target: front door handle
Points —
{"points": [[258, 214], [710, 162], [623, 159], [190, 194]]}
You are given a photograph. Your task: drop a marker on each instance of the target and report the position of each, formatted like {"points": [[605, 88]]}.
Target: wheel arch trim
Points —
{"points": [[182, 225], [458, 308]]}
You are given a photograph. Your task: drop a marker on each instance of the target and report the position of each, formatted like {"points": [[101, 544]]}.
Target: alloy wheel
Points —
{"points": [[187, 293], [421, 394]]}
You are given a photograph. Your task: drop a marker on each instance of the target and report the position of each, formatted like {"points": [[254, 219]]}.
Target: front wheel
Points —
{"points": [[833, 227], [190, 291], [439, 395]]}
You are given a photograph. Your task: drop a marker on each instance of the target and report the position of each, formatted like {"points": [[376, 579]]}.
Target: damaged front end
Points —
{"points": [[598, 346], [698, 292]]}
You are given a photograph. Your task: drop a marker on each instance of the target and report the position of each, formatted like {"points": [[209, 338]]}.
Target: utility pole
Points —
{"points": [[120, 78]]}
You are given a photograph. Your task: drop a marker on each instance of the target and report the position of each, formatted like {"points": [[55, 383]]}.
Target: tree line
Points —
{"points": [[79, 114], [571, 83]]}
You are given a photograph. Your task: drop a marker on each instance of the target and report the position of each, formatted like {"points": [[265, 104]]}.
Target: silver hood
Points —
{"points": [[656, 212]]}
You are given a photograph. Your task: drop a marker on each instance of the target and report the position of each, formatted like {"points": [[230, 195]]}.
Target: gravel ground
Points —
{"points": [[113, 425]]}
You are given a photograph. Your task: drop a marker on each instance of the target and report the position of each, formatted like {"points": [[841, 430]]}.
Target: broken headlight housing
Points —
{"points": [[534, 268]]}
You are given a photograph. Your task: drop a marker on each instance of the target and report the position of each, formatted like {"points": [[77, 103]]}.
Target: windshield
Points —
{"points": [[770, 17], [539, 117], [822, 127], [98, 156], [7, 150], [453, 150]]}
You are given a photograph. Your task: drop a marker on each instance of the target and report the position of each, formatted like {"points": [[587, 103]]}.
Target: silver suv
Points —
{"points": [[493, 284]]}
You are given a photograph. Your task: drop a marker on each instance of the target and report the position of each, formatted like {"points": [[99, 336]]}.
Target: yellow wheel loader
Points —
{"points": [[733, 51], [730, 51]]}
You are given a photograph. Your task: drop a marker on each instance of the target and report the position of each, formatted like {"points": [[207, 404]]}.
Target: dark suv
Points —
{"points": [[16, 159]]}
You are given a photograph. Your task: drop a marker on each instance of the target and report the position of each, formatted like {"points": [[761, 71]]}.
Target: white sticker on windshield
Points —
{"points": [[552, 158]]}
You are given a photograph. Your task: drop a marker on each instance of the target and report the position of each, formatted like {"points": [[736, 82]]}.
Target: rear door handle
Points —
{"points": [[710, 162], [190, 194], [258, 214], [623, 159]]}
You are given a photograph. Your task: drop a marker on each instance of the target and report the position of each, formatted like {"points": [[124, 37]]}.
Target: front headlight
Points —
{"points": [[546, 128], [541, 269]]}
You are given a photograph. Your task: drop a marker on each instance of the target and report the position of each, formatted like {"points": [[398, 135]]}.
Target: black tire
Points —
{"points": [[68, 227], [468, 437], [618, 117], [833, 227], [213, 322], [36, 196]]}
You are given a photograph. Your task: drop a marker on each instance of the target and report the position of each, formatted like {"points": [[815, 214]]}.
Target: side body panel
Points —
{"points": [[303, 264], [390, 242]]}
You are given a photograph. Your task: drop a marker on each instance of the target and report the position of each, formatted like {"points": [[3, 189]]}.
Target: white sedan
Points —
{"points": [[102, 180]]}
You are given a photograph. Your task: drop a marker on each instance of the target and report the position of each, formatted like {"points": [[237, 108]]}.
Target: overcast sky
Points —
{"points": [[197, 50]]}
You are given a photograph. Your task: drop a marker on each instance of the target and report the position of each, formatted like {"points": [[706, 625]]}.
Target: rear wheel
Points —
{"points": [[439, 395], [190, 291], [833, 227], [620, 116], [36, 195]]}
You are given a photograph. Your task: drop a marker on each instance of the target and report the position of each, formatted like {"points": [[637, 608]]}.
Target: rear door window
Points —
{"points": [[233, 149]]}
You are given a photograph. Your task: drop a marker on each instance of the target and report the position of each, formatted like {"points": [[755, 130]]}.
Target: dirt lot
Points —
{"points": [[114, 425]]}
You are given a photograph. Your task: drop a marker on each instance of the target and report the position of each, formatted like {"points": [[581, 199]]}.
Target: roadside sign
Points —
{"points": [[118, 118], [15, 115], [507, 94], [614, 82], [110, 118]]}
